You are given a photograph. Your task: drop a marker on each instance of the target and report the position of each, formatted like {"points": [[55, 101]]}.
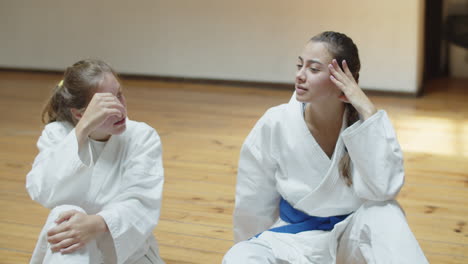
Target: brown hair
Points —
{"points": [[341, 47], [76, 89]]}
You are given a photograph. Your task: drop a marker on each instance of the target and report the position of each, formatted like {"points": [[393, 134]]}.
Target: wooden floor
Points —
{"points": [[202, 128]]}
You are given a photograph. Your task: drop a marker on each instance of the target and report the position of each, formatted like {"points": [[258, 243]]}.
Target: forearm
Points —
{"points": [[56, 169], [364, 105], [99, 224], [82, 132], [377, 157], [367, 109]]}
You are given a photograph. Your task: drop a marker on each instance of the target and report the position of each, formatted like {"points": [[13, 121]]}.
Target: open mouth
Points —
{"points": [[118, 123]]}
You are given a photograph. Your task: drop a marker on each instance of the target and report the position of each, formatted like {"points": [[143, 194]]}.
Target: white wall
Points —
{"points": [[252, 40]]}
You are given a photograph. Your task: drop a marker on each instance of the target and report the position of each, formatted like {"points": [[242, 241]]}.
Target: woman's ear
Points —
{"points": [[343, 98], [76, 113]]}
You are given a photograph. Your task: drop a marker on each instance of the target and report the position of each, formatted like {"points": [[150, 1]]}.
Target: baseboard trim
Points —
{"points": [[239, 83]]}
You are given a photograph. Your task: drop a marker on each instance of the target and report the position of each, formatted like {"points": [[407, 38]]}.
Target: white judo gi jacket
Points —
{"points": [[124, 185], [280, 158]]}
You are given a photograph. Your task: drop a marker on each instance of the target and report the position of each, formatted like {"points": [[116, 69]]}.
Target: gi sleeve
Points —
{"points": [[134, 213], [56, 169], [257, 200], [376, 156]]}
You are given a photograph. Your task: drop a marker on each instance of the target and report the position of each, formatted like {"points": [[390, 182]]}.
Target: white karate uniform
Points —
{"points": [[280, 158], [120, 180]]}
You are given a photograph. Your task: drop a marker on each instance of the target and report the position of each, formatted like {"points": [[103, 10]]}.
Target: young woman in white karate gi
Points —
{"points": [[323, 171], [99, 172]]}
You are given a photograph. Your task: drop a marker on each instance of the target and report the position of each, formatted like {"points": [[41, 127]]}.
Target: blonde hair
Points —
{"points": [[341, 47], [76, 89]]}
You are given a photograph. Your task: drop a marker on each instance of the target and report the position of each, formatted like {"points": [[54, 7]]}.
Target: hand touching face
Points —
{"points": [[106, 113], [351, 92]]}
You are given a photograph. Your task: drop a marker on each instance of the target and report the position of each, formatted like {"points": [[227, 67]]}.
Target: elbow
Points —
{"points": [[394, 179], [40, 196], [387, 193], [36, 189], [395, 184], [243, 225], [238, 236], [34, 193], [41, 199]]}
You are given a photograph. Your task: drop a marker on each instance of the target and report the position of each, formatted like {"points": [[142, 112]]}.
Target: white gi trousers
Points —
{"points": [[89, 254], [376, 233]]}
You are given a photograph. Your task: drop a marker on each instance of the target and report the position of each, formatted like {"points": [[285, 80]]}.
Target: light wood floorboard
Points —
{"points": [[202, 128]]}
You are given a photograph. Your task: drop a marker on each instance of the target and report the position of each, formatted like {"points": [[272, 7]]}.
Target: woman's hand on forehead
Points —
{"points": [[352, 93]]}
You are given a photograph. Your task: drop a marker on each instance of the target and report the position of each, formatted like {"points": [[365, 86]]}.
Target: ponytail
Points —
{"points": [[345, 162], [56, 108]]}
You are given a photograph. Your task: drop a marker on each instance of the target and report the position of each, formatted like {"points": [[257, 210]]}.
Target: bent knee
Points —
{"points": [[380, 214], [66, 207], [248, 252], [56, 211], [381, 209]]}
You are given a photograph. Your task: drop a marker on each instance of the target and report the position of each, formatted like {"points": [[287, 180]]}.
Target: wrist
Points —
{"points": [[82, 132], [368, 111], [100, 224]]}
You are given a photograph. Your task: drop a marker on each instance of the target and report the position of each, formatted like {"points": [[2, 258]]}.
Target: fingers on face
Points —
{"points": [[342, 74], [347, 70], [114, 107], [113, 112], [119, 109], [336, 82], [115, 102], [104, 99], [335, 70]]}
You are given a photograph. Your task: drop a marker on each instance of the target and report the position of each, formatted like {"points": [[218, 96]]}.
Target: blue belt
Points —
{"points": [[300, 221]]}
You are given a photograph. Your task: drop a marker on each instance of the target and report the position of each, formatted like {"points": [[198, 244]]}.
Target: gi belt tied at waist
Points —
{"points": [[300, 221]]}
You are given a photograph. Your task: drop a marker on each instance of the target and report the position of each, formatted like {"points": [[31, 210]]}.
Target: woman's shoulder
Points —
{"points": [[58, 125], [276, 113], [58, 128], [271, 122], [279, 112], [279, 117], [142, 130]]}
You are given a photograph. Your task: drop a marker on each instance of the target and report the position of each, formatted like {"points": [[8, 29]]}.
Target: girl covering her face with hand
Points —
{"points": [[318, 176], [100, 173]]}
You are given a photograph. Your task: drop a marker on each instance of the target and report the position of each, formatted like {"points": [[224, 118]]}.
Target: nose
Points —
{"points": [[300, 76]]}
